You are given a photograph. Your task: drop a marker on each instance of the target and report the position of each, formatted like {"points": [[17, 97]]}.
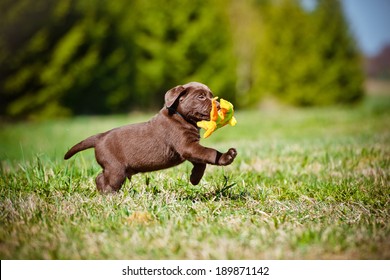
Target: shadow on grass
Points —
{"points": [[218, 192]]}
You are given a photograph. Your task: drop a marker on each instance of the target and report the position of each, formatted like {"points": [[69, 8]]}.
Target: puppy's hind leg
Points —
{"points": [[197, 173], [110, 181]]}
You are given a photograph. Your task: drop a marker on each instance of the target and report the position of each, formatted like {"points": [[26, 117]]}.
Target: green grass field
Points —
{"points": [[307, 184]]}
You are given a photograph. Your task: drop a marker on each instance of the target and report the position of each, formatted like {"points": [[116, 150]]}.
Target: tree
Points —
{"points": [[308, 57], [25, 40], [67, 58], [97, 57], [109, 56], [178, 42], [341, 79]]}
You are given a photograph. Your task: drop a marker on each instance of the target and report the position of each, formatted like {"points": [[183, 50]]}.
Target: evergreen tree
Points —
{"points": [[308, 57], [25, 43], [93, 57], [109, 56], [181, 41], [341, 74]]}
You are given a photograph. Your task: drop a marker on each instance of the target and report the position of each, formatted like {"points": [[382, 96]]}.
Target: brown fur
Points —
{"points": [[168, 139]]}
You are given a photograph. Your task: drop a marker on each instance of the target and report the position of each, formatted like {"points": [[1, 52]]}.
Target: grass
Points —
{"points": [[307, 184]]}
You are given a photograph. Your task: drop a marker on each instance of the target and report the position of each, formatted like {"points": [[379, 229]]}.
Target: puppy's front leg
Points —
{"points": [[199, 154], [197, 172]]}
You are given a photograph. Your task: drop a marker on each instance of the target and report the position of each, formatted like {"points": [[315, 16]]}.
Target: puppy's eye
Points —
{"points": [[201, 97]]}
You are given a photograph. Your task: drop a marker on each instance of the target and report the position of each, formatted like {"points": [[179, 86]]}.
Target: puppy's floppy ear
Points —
{"points": [[173, 95]]}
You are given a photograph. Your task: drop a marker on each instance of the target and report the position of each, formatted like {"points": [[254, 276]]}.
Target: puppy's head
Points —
{"points": [[192, 101]]}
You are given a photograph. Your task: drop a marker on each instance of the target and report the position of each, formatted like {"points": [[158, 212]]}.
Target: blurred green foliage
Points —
{"points": [[68, 57], [308, 57]]}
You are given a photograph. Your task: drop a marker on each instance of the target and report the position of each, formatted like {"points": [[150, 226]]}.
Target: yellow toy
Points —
{"points": [[218, 118]]}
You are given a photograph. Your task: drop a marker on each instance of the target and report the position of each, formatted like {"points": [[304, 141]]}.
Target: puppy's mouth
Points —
{"points": [[203, 117]]}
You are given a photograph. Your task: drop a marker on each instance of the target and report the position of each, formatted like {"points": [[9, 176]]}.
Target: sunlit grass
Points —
{"points": [[307, 184]]}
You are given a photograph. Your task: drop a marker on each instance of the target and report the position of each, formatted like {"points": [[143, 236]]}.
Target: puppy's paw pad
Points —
{"points": [[228, 157], [232, 152]]}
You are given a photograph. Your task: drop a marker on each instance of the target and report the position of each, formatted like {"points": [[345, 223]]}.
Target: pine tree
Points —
{"points": [[308, 57], [89, 57], [93, 57], [178, 42], [341, 74]]}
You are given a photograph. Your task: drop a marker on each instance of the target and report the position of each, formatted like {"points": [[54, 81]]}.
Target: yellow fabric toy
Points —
{"points": [[218, 118]]}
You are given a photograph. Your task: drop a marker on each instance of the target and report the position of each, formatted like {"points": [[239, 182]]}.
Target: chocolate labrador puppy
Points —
{"points": [[168, 139]]}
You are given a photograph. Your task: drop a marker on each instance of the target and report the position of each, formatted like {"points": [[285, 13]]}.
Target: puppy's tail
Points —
{"points": [[90, 142]]}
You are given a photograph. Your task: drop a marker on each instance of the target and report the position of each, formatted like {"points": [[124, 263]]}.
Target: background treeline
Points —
{"points": [[62, 57]]}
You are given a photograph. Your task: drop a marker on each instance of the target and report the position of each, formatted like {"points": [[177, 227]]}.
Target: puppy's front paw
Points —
{"points": [[228, 157]]}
